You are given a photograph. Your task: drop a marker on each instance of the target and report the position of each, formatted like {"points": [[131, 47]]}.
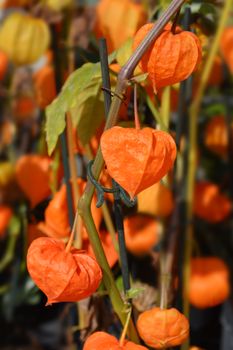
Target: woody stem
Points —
{"points": [[85, 201]]}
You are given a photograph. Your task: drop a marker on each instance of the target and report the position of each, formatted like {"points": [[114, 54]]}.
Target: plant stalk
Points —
{"points": [[118, 214], [85, 201]]}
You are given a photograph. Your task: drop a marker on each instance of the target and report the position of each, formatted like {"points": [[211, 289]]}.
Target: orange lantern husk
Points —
{"points": [[105, 341], [64, 276], [209, 203], [56, 223], [209, 282], [183, 54], [141, 234], [5, 217], [33, 177], [216, 136], [144, 156], [114, 17], [156, 200], [45, 88], [163, 328]]}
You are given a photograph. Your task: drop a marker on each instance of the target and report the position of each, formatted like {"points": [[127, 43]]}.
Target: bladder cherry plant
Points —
{"points": [[137, 159]]}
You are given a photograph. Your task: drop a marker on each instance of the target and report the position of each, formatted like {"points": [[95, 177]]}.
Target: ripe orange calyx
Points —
{"points": [[162, 328], [63, 276], [209, 282], [216, 135], [137, 158], [105, 341], [181, 49], [141, 233], [209, 203], [33, 176], [114, 17]]}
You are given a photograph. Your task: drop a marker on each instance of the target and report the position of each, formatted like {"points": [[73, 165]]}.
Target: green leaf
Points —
{"points": [[124, 52], [75, 94], [55, 113], [140, 78], [134, 292], [164, 3], [88, 113]]}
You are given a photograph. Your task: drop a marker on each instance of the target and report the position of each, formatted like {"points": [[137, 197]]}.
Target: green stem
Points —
{"points": [[14, 230], [155, 112], [165, 108], [123, 335], [85, 201], [194, 112], [106, 213]]}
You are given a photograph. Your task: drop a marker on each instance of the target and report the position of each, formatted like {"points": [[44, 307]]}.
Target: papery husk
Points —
{"points": [[156, 200], [33, 176], [105, 341], [182, 51], [209, 203], [163, 328], [141, 234], [62, 276], [136, 159], [209, 282]]}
